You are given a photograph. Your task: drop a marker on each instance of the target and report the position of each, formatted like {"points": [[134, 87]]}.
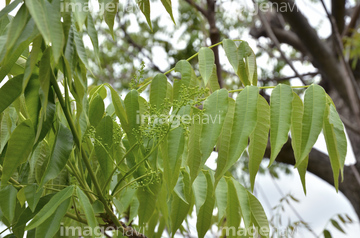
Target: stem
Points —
{"points": [[72, 216], [84, 156]]}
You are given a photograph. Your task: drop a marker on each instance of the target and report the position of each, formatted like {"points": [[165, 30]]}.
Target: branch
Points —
{"points": [[276, 42], [352, 24], [200, 9], [338, 12], [289, 77]]}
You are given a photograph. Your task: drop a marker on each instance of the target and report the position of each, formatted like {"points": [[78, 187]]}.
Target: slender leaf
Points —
{"points": [[233, 216], [144, 6], [19, 147], [32, 195], [206, 62], [147, 197], [158, 91], [96, 110], [60, 154], [204, 215], [50, 207], [280, 118], [88, 210], [258, 216], [8, 201], [168, 7], [10, 91], [231, 52], [259, 138], [314, 108]]}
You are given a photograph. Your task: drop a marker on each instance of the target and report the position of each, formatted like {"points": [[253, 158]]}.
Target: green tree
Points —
{"points": [[68, 157]]}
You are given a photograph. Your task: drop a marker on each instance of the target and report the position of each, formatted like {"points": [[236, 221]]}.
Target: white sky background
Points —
{"points": [[322, 202]]}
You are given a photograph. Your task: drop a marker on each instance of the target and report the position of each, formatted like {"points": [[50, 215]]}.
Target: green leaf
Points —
{"points": [[280, 118], [32, 195], [233, 216], [158, 90], [50, 207], [172, 149], [199, 188], [104, 141], [132, 110], [221, 198], [119, 108], [215, 107], [51, 225], [19, 147], [6, 10], [314, 108], [96, 110], [337, 226], [45, 74], [213, 80], [79, 14], [327, 234], [259, 138], [144, 6], [242, 195], [296, 127], [182, 187], [179, 210], [110, 14], [60, 154], [258, 216], [336, 143], [251, 67], [91, 30], [188, 77], [80, 49], [244, 122], [224, 142], [168, 7], [206, 62], [231, 52], [194, 149], [17, 25], [204, 215], [32, 99], [242, 72], [47, 17], [10, 91], [8, 201], [88, 210], [147, 197]]}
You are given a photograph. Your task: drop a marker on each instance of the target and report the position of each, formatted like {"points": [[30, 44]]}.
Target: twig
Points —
{"points": [[272, 36]]}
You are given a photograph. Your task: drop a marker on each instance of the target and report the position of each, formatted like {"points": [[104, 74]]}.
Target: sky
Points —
{"points": [[321, 202]]}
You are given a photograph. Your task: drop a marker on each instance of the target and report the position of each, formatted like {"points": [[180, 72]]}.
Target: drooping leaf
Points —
{"points": [[158, 91], [336, 144], [244, 122], [172, 150], [8, 201], [51, 225], [213, 80], [50, 207], [168, 7], [224, 142], [296, 127], [194, 148], [206, 62], [88, 210], [119, 108], [179, 209], [45, 74], [204, 215], [47, 18], [259, 138], [147, 197], [17, 25], [144, 6], [221, 198], [314, 109], [63, 145], [96, 110], [10, 91], [110, 14], [244, 202], [79, 14], [233, 216], [231, 52], [337, 226], [19, 147], [215, 107], [32, 195], [242, 71], [258, 216], [32, 100], [280, 118], [187, 77]]}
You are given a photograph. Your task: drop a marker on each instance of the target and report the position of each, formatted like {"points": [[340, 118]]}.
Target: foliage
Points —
{"points": [[68, 157]]}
